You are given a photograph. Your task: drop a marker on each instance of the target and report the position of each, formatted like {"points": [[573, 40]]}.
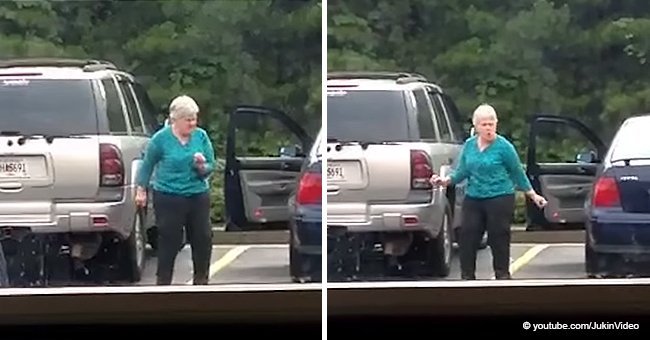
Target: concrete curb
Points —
{"points": [[519, 235]]}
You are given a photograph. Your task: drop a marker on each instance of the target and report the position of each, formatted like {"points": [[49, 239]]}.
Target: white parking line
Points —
{"points": [[225, 260], [267, 246], [549, 244], [255, 246], [528, 256]]}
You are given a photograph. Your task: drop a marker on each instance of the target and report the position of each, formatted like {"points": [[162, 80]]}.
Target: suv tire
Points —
{"points": [[440, 250], [134, 256]]}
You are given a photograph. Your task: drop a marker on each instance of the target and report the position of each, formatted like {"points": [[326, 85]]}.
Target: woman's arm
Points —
{"points": [[152, 155], [517, 172], [518, 175], [208, 153], [461, 172]]}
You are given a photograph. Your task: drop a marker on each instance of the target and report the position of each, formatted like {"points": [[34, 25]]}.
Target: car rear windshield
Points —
{"points": [[47, 106], [367, 116], [632, 141]]}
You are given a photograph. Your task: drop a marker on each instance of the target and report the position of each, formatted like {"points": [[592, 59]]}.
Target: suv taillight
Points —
{"points": [[111, 167], [606, 193], [310, 189], [421, 170]]}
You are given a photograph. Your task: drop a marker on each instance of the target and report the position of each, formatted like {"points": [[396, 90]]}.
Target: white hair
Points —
{"points": [[484, 112], [183, 107]]}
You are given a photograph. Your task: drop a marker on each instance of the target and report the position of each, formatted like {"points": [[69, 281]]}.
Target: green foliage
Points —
{"points": [[520, 208], [222, 53], [586, 59]]}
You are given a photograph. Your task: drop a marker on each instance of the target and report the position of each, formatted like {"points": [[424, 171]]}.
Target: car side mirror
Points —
{"points": [[586, 157], [290, 151]]}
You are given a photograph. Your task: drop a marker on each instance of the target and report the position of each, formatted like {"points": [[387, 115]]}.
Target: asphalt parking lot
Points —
{"points": [[527, 261], [269, 263], [534, 261], [232, 264]]}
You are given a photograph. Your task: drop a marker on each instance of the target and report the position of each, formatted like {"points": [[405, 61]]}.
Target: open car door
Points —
{"points": [[265, 150], [562, 162]]}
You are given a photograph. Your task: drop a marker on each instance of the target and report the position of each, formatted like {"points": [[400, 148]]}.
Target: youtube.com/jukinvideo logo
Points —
{"points": [[594, 325]]}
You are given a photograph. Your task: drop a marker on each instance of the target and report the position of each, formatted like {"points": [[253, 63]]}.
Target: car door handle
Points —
{"points": [[285, 166], [11, 187], [333, 189]]}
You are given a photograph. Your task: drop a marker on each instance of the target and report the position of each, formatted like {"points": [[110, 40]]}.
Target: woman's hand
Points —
{"points": [[141, 197], [440, 181], [199, 161], [539, 200]]}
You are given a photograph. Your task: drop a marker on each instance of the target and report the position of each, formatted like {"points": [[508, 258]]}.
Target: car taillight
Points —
{"points": [[111, 168], [421, 170], [606, 193], [310, 189]]}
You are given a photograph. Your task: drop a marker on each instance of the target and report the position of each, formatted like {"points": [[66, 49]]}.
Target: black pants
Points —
{"points": [[495, 216], [172, 213]]}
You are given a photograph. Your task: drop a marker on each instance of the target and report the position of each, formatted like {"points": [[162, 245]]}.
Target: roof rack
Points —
{"points": [[399, 77], [88, 65]]}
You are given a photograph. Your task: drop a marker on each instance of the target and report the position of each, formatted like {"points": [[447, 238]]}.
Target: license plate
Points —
{"points": [[13, 168], [335, 172]]}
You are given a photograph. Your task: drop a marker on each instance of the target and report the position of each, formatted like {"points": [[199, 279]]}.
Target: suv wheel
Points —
{"points": [[134, 259], [439, 250]]}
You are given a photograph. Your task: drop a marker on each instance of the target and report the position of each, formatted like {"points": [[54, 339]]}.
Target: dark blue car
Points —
{"points": [[618, 206], [606, 189], [305, 223]]}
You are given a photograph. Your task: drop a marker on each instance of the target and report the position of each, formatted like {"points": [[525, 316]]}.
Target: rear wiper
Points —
{"points": [[627, 160], [48, 138], [364, 144], [23, 136], [10, 133], [339, 144]]}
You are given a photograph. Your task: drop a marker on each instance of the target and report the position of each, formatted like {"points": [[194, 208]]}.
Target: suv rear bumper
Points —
{"points": [[357, 218], [49, 217]]}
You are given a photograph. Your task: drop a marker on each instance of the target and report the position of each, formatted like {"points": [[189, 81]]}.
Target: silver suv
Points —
{"points": [[71, 141], [387, 133]]}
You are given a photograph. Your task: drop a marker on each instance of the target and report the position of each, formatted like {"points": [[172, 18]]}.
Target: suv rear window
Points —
{"points": [[368, 116], [47, 106]]}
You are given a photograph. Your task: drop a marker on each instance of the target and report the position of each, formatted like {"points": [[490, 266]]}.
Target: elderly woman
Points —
{"points": [[183, 158], [493, 171]]}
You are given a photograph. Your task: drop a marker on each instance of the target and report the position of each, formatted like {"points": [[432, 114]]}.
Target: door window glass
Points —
{"points": [[558, 142], [259, 135], [443, 125], [425, 119]]}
